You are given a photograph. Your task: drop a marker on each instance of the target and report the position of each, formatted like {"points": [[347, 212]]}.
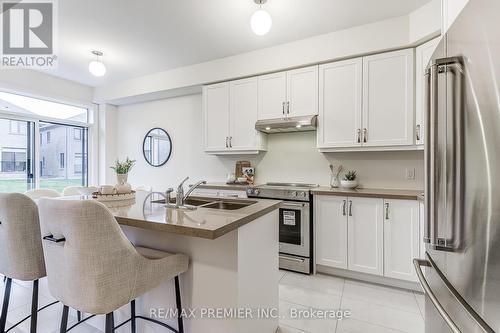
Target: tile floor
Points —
{"points": [[373, 308]]}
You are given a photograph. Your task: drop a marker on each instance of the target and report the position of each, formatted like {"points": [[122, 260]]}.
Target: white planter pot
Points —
{"points": [[122, 187], [349, 183]]}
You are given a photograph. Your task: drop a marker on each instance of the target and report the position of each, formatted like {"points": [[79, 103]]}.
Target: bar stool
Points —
{"points": [[21, 250], [92, 266]]}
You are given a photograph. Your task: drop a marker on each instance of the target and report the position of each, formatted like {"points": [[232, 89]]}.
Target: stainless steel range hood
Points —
{"points": [[290, 124]]}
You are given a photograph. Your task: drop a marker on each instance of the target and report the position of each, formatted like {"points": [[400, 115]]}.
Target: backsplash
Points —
{"points": [[290, 156]]}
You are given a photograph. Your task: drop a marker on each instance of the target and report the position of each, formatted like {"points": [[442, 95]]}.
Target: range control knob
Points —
{"points": [[256, 192], [250, 191], [302, 194], [294, 194]]}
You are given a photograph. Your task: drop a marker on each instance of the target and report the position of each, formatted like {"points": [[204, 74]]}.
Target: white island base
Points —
{"points": [[238, 270]]}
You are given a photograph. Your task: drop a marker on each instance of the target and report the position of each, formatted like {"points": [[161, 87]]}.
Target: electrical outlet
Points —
{"points": [[410, 173]]}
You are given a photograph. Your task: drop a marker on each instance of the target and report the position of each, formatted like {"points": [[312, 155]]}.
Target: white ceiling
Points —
{"points": [[140, 37]]}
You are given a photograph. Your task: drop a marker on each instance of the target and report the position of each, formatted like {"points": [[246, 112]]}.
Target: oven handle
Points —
{"points": [[294, 204]]}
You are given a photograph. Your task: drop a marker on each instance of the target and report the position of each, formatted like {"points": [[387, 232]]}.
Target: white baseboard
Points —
{"points": [[414, 286]]}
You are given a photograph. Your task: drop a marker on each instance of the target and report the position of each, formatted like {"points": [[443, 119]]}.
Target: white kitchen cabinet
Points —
{"points": [[288, 94], [340, 101], [243, 95], [388, 109], [230, 113], [216, 116], [272, 96], [423, 55], [302, 91], [421, 219], [365, 235], [401, 238], [330, 213]]}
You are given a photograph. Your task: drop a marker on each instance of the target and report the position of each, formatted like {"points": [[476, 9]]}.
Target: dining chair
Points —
{"points": [[79, 190], [38, 193]]}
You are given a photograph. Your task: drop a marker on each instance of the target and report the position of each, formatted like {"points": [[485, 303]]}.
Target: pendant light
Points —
{"points": [[261, 21], [96, 67]]}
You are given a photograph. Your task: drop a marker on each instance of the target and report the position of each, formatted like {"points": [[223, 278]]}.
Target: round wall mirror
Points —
{"points": [[157, 147]]}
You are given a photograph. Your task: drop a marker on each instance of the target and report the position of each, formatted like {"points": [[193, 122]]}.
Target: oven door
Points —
{"points": [[294, 228]]}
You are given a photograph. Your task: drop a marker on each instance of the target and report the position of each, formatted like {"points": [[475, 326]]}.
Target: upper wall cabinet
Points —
{"points": [[388, 110], [229, 116], [216, 116], [340, 104], [423, 56], [367, 102], [288, 94]]}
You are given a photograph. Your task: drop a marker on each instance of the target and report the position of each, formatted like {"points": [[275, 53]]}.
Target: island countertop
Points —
{"points": [[210, 223]]}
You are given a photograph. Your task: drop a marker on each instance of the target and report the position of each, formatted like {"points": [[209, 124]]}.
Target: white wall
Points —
{"points": [[399, 32], [45, 86], [450, 11], [291, 156]]}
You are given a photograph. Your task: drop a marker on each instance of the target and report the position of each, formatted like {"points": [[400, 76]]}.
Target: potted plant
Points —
{"points": [[122, 169], [349, 180]]}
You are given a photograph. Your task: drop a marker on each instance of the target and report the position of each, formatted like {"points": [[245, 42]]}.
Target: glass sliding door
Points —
{"points": [[16, 155], [63, 156]]}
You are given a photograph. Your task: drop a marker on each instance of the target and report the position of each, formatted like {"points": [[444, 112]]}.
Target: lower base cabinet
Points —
{"points": [[367, 235], [401, 238]]}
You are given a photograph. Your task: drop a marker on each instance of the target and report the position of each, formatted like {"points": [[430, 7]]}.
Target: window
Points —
{"points": [[65, 158], [61, 160], [77, 134], [77, 163], [17, 127], [59, 156]]}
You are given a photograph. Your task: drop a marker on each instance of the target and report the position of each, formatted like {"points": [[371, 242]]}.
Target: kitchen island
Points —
{"points": [[231, 285]]}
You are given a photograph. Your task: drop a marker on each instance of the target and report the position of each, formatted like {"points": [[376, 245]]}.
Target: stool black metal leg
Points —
{"points": [[79, 315], [109, 323], [34, 307], [132, 316], [5, 306], [179, 306], [64, 320]]}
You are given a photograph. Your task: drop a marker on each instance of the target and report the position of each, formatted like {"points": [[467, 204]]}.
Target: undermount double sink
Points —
{"points": [[223, 204]]}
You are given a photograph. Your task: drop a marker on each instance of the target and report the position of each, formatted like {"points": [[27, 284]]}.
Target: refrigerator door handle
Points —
{"points": [[430, 80], [418, 263]]}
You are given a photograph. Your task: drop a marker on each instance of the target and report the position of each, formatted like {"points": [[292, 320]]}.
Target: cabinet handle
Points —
{"points": [[283, 107], [350, 207], [230, 142], [365, 135], [287, 107], [227, 146], [418, 132], [359, 135], [343, 207], [387, 211]]}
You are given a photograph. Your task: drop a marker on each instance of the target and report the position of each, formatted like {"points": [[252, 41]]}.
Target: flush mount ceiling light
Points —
{"points": [[96, 67], [261, 21]]}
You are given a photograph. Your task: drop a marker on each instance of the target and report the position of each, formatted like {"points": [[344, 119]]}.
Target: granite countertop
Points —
{"points": [[369, 192], [224, 186], [142, 212]]}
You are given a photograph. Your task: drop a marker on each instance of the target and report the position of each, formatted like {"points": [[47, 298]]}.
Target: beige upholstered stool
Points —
{"points": [[21, 250], [91, 265]]}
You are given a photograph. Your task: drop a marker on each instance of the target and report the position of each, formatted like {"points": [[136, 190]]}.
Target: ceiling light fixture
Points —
{"points": [[261, 21], [96, 67]]}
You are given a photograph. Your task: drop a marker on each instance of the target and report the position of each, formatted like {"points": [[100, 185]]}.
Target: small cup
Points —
{"points": [[107, 189]]}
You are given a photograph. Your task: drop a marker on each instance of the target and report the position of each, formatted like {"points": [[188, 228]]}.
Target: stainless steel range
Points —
{"points": [[295, 222]]}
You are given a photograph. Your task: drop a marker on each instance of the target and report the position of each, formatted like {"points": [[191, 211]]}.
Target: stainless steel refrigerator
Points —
{"points": [[461, 274]]}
